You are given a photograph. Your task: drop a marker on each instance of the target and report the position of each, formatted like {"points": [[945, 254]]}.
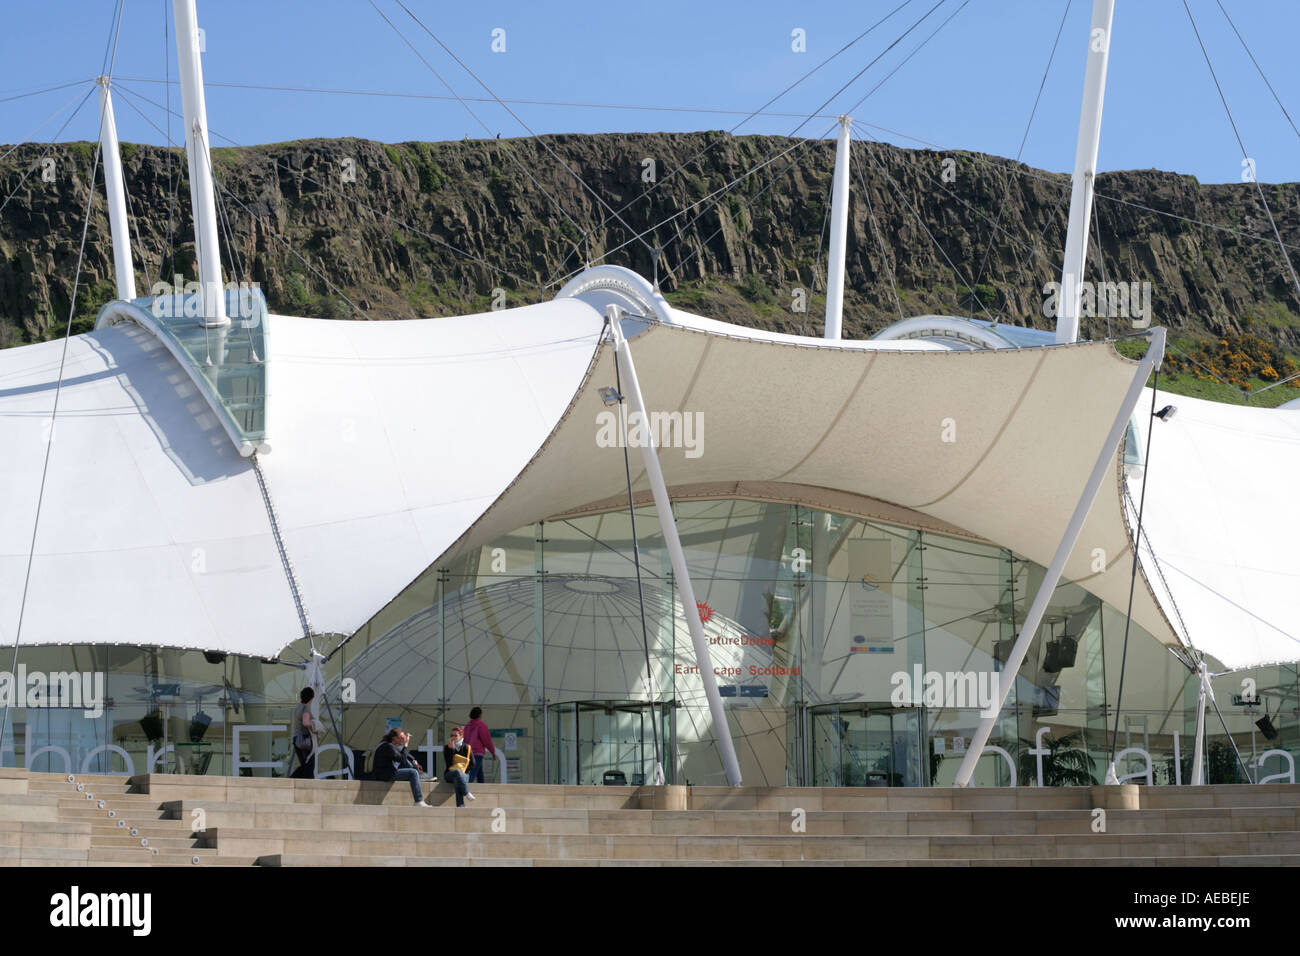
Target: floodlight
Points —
{"points": [[1166, 413], [610, 396]]}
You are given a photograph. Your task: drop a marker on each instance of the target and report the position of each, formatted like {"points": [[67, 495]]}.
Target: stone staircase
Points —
{"points": [[49, 819], [163, 820]]}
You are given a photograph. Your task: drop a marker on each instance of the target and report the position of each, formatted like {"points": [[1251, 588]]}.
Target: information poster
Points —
{"points": [[871, 605]]}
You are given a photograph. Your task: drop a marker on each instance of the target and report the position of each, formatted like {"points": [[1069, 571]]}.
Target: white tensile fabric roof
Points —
{"points": [[391, 438], [401, 444], [1223, 517]]}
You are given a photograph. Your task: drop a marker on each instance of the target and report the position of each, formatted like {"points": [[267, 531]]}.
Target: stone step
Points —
{"points": [[55, 855], [158, 827], [56, 834], [44, 820], [211, 861], [745, 798], [116, 799], [58, 783], [1243, 795], [303, 859], [161, 842], [478, 819], [725, 848], [27, 806], [129, 854], [147, 818]]}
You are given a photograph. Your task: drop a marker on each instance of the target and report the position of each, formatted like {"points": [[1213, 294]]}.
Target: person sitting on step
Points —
{"points": [[458, 756], [394, 762]]}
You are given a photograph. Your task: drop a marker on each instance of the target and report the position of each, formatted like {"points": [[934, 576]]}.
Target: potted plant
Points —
{"points": [[1067, 763]]}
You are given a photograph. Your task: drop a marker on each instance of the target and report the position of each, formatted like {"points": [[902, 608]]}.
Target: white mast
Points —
{"points": [[839, 232], [672, 541], [199, 157], [1198, 755], [1104, 466], [123, 267], [1085, 169]]}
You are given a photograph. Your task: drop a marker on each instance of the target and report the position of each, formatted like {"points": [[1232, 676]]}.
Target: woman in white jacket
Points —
{"points": [[306, 730]]}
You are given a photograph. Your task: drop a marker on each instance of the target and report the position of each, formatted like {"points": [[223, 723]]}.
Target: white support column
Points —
{"points": [[1085, 170], [199, 157], [839, 232], [663, 507], [1198, 755], [1103, 467], [119, 227]]}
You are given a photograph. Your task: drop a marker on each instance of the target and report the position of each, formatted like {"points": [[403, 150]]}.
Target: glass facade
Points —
{"points": [[848, 652]]}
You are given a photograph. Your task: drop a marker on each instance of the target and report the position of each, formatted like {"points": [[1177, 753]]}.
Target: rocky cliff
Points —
{"points": [[357, 229]]}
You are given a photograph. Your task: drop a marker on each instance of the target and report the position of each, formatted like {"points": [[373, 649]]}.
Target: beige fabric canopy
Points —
{"points": [[995, 443]]}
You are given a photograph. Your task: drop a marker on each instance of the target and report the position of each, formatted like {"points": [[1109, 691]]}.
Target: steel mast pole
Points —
{"points": [[1198, 755], [1085, 171], [664, 508], [839, 232], [198, 155], [123, 267], [1105, 460]]}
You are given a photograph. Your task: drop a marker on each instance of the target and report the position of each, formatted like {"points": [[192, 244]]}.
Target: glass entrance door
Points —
{"points": [[871, 746], [609, 741]]}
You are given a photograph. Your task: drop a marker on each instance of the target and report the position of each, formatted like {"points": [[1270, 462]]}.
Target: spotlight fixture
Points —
{"points": [[1166, 413], [1266, 728], [199, 727], [1002, 650], [214, 657], [610, 396], [1061, 653]]}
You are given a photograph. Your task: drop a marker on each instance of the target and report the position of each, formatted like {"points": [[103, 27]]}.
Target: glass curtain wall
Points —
{"points": [[848, 652]]}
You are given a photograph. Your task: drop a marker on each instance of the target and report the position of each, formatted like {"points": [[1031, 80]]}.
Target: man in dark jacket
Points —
{"points": [[394, 762]]}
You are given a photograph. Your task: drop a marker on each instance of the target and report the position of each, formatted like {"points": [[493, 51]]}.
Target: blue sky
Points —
{"points": [[971, 87]]}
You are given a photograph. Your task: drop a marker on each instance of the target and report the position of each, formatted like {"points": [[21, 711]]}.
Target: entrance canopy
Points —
{"points": [[995, 443]]}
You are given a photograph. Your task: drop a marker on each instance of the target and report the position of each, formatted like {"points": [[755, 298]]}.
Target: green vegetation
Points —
{"points": [[427, 169], [1224, 369], [331, 307], [755, 290], [91, 298], [736, 207], [689, 296], [985, 294], [225, 158], [695, 186], [1238, 360], [1271, 313], [420, 156], [569, 230], [295, 291], [82, 153], [1067, 762]]}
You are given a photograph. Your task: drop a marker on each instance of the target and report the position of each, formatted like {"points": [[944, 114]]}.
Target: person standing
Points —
{"points": [[306, 735], [479, 739], [458, 755]]}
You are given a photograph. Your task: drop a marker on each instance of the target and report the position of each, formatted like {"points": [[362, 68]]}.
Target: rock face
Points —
{"points": [[357, 229]]}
